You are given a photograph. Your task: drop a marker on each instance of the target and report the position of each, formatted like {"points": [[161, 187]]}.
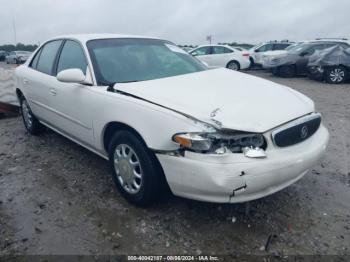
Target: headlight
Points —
{"points": [[193, 141], [220, 142]]}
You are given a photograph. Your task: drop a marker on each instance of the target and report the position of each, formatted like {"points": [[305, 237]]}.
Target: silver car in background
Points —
{"points": [[17, 57]]}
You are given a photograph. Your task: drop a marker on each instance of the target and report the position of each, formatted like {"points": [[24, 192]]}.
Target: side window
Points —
{"points": [[221, 50], [280, 46], [34, 62], [344, 45], [312, 50], [264, 48], [72, 56], [48, 56], [205, 50]]}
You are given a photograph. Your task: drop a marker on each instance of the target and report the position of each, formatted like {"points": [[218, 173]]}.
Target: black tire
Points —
{"points": [[233, 65], [32, 125], [287, 71], [252, 63], [274, 71], [152, 182], [336, 75]]}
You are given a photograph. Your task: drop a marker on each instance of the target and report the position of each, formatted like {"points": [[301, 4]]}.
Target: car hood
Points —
{"points": [[225, 99]]}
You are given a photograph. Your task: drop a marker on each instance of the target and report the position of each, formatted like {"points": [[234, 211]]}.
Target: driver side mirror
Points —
{"points": [[73, 75]]}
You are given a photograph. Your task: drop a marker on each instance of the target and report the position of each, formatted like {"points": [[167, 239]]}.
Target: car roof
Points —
{"points": [[87, 37], [214, 45], [315, 42]]}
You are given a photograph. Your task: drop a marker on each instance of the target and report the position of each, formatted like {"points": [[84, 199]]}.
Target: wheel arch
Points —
{"points": [[19, 94], [114, 126], [107, 135], [234, 61]]}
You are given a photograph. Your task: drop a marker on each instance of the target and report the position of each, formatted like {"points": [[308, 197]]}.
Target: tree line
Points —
{"points": [[18, 47]]}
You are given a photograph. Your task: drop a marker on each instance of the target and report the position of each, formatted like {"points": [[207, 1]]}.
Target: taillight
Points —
{"points": [[245, 54]]}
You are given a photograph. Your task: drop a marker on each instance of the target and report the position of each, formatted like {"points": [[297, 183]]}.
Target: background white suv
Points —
{"points": [[222, 56], [259, 50]]}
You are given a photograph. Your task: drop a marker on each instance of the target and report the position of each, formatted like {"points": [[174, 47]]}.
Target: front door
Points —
{"points": [[71, 100]]}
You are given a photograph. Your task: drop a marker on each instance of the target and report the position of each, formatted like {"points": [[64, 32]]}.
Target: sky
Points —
{"points": [[180, 21]]}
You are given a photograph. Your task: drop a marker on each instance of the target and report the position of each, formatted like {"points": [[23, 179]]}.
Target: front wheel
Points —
{"points": [[136, 171], [233, 65], [31, 123], [336, 75]]}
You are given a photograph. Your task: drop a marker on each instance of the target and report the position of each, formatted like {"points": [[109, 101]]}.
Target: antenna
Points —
{"points": [[14, 28]]}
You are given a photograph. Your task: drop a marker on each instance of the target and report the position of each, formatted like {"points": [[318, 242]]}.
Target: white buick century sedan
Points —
{"points": [[162, 118]]}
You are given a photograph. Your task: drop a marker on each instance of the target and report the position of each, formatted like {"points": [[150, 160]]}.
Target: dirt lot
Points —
{"points": [[58, 198]]}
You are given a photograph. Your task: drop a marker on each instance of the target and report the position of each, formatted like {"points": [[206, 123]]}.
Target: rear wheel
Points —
{"points": [[233, 65], [336, 75], [31, 123], [287, 71], [136, 170]]}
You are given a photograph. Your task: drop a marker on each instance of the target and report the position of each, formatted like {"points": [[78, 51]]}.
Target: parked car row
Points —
{"points": [[18, 57], [14, 57], [284, 58], [3, 55], [319, 59]]}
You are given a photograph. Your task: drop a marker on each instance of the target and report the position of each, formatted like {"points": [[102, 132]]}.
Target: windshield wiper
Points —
{"points": [[110, 87]]}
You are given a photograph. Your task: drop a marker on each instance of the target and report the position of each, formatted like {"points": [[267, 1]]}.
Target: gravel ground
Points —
{"points": [[58, 198]]}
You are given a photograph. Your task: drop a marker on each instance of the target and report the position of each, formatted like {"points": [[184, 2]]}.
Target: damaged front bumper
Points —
{"points": [[232, 178]]}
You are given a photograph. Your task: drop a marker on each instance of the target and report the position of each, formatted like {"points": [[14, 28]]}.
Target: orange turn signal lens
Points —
{"points": [[183, 141]]}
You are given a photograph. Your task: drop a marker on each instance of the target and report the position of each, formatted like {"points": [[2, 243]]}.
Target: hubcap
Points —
{"points": [[128, 168], [337, 75], [27, 116], [233, 66]]}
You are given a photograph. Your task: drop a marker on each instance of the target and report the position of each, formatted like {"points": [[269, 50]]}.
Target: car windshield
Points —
{"points": [[132, 59], [22, 52]]}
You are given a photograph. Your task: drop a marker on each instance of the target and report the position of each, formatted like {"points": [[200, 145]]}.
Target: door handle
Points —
{"points": [[25, 81], [53, 91]]}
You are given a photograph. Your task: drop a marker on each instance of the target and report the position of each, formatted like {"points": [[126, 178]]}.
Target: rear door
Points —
{"points": [[40, 81], [221, 56]]}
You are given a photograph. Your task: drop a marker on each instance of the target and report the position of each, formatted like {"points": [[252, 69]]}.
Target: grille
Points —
{"points": [[297, 131]]}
